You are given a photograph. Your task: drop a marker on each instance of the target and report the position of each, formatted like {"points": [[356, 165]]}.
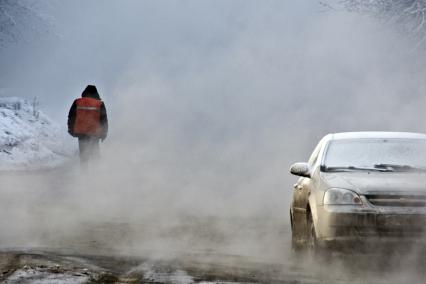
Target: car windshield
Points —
{"points": [[376, 154]]}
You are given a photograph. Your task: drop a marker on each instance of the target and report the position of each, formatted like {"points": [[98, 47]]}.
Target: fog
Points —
{"points": [[209, 103]]}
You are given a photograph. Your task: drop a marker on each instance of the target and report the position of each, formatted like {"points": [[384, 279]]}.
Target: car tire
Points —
{"points": [[311, 237], [312, 245], [296, 245]]}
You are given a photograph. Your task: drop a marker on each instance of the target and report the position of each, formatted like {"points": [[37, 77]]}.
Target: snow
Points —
{"points": [[29, 139], [178, 277], [153, 274], [41, 276]]}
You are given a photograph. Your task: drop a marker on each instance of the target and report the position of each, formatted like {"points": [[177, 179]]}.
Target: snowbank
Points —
{"points": [[43, 276], [29, 139]]}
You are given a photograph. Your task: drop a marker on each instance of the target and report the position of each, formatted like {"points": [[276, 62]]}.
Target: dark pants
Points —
{"points": [[89, 148]]}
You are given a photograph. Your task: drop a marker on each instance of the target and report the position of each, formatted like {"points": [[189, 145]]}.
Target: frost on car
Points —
{"points": [[360, 187]]}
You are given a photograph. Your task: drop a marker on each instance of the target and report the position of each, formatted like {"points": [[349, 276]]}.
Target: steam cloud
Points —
{"points": [[209, 103]]}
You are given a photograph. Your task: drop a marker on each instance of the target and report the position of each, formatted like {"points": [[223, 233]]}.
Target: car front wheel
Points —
{"points": [[311, 237]]}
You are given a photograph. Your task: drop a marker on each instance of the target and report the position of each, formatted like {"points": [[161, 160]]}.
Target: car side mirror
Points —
{"points": [[300, 169]]}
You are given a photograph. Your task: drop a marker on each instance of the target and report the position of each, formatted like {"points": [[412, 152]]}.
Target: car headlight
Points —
{"points": [[340, 196]]}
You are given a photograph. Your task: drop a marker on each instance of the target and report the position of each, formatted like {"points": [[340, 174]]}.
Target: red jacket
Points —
{"points": [[87, 117]]}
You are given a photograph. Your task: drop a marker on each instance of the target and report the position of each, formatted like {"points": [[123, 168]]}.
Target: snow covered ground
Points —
{"points": [[42, 276], [29, 139]]}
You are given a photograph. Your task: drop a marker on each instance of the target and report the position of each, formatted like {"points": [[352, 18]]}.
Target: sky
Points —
{"points": [[91, 43]]}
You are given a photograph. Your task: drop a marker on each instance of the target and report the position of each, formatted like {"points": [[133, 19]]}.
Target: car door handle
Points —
{"points": [[297, 186]]}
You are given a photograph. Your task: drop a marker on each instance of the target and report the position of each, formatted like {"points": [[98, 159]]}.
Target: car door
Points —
{"points": [[301, 192]]}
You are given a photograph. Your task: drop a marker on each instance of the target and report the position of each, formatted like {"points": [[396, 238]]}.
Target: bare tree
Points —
{"points": [[21, 18], [35, 104], [408, 15]]}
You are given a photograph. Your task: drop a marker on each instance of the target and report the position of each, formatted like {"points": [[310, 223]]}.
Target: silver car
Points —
{"points": [[360, 187]]}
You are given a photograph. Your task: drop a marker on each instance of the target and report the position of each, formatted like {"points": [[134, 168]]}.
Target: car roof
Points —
{"points": [[377, 135]]}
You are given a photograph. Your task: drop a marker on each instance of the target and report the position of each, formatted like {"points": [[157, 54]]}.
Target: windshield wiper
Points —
{"points": [[354, 168], [399, 168]]}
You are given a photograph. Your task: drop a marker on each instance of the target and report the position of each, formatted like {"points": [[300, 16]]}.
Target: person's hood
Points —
{"points": [[91, 92], [370, 182]]}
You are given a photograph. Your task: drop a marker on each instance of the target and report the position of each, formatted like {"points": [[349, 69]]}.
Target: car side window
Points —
{"points": [[314, 157]]}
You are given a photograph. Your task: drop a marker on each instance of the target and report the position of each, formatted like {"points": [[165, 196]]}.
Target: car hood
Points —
{"points": [[369, 182]]}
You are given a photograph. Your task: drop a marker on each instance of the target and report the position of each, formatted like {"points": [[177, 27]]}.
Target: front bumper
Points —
{"points": [[346, 224]]}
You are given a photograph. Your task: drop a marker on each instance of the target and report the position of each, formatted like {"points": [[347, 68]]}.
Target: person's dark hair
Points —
{"points": [[91, 92]]}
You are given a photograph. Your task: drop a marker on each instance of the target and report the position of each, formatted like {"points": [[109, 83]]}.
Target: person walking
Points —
{"points": [[88, 121]]}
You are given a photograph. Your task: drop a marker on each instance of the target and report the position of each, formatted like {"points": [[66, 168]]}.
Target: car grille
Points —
{"points": [[397, 200]]}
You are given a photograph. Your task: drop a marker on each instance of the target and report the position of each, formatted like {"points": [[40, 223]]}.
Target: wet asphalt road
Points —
{"points": [[54, 266], [39, 245]]}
